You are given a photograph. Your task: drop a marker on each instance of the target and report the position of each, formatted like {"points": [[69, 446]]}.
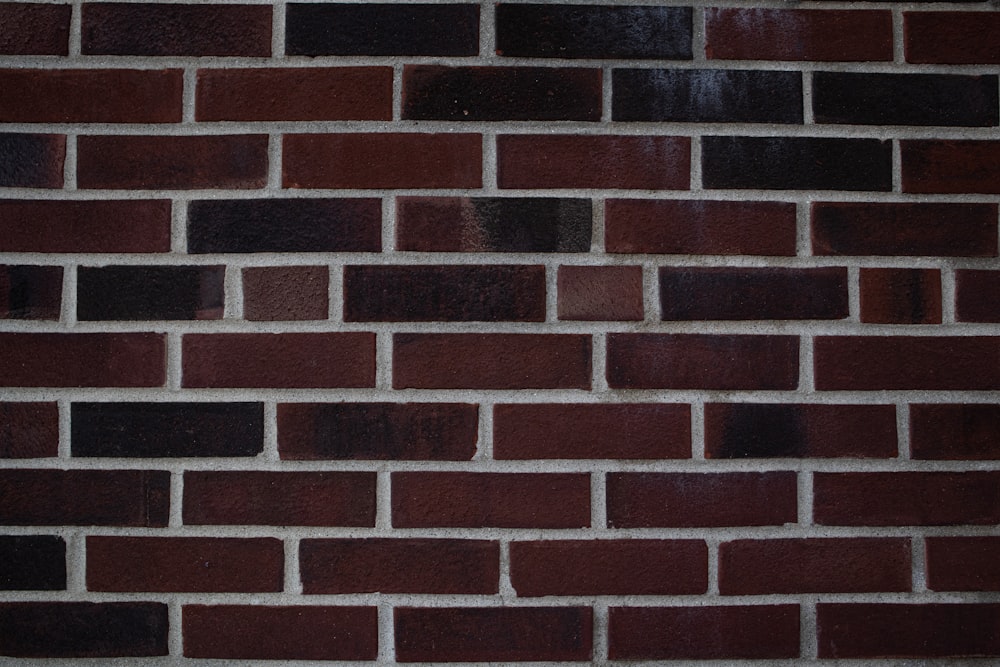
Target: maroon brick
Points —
{"points": [[939, 166], [600, 293], [82, 360], [84, 226], [696, 500], [532, 161], [963, 563], [84, 497], [703, 633], [498, 500], [493, 634], [954, 38], [286, 293], [592, 431], [702, 361], [901, 296], [32, 160], [303, 93], [491, 361], [609, 567], [30, 292], [279, 360], [374, 565], [150, 292], [34, 29], [29, 430], [977, 296], [32, 563], [298, 632], [185, 564], [389, 160], [965, 432]]}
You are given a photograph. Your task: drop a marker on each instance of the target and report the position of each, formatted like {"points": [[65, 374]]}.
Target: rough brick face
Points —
{"points": [[28, 430], [150, 292], [30, 292], [938, 166], [34, 29], [963, 563], [31, 160], [955, 431], [951, 37], [32, 563], [82, 360], [600, 293], [286, 293], [978, 295], [84, 226], [901, 296]]}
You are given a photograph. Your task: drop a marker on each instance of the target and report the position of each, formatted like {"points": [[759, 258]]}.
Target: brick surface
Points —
{"points": [[955, 431], [82, 360], [150, 292], [977, 295], [286, 293], [84, 226], [939, 166], [32, 160], [29, 430], [34, 29], [963, 563], [30, 292], [32, 563], [951, 37], [600, 293], [901, 296]]}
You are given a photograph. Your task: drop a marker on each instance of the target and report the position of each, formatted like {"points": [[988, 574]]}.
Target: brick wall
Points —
{"points": [[475, 332]]}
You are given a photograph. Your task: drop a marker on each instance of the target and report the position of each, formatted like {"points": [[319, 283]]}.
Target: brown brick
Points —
{"points": [[82, 360], [953, 38], [965, 432], [978, 295], [84, 226], [940, 166], [34, 29], [963, 563], [901, 296], [600, 293], [192, 292], [30, 292], [29, 430], [32, 160], [286, 293]]}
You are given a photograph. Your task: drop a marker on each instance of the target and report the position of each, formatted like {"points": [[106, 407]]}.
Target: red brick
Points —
{"points": [[84, 226], [498, 500], [580, 161], [34, 29], [82, 360], [286, 293], [30, 292], [374, 565], [953, 38], [609, 567], [284, 360], [592, 431], [304, 93], [600, 293], [965, 432], [32, 160], [29, 430], [939, 166], [388, 160], [32, 563], [129, 292], [963, 563], [185, 564], [977, 296], [901, 296]]}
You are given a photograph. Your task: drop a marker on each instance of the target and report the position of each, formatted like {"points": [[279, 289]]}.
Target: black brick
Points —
{"points": [[32, 563], [150, 292], [32, 160], [30, 292]]}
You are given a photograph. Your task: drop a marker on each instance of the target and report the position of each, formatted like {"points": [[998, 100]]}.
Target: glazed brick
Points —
{"points": [[785, 430], [977, 296], [83, 629], [894, 229], [939, 166], [185, 564], [299, 632], [380, 565], [382, 30], [702, 361], [377, 431], [696, 500], [530, 161], [284, 225], [495, 500], [167, 429], [286, 360], [963, 563], [491, 361], [32, 160], [707, 96], [608, 293], [493, 634], [901, 296], [304, 93], [84, 497], [609, 567], [32, 563], [85, 226], [953, 38], [907, 630], [82, 360], [906, 498], [150, 292], [699, 227], [180, 163], [968, 432], [30, 292], [279, 498], [592, 431], [796, 163], [286, 293], [29, 430], [435, 92], [493, 224], [388, 160], [153, 29], [444, 293], [34, 29], [703, 633]]}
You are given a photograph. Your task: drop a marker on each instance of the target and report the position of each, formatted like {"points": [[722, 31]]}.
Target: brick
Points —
{"points": [[953, 38], [496, 500], [388, 565], [491, 361], [907, 498], [866, 363], [968, 432], [579, 31], [304, 93], [29, 430], [84, 497], [154, 29], [785, 430], [83, 629], [150, 292], [901, 296], [895, 229], [592, 431], [493, 634], [907, 630], [377, 431], [30, 292], [284, 225], [483, 293], [493, 224], [435, 92], [34, 29], [530, 161], [167, 429], [279, 498], [32, 160], [185, 564], [298, 632], [699, 227], [286, 293], [82, 360], [963, 563], [606, 293], [703, 633], [609, 567], [85, 226], [939, 166], [707, 96], [285, 360], [796, 163], [977, 296], [32, 563], [382, 161], [382, 29], [702, 361], [696, 500]]}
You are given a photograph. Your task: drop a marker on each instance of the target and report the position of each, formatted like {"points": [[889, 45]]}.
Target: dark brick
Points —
{"points": [[901, 296], [150, 292], [32, 160], [82, 360], [977, 295], [32, 563], [286, 293], [953, 38], [84, 226], [30, 292], [29, 430], [940, 166], [968, 432], [607, 293], [34, 29], [963, 563]]}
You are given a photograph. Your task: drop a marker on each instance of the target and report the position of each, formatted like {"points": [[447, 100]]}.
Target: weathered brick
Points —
{"points": [[955, 431], [28, 29], [600, 293], [953, 38], [150, 292], [963, 563], [901, 296], [30, 292], [942, 166], [32, 563], [286, 293], [32, 160], [82, 360], [84, 226], [29, 430], [977, 297]]}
